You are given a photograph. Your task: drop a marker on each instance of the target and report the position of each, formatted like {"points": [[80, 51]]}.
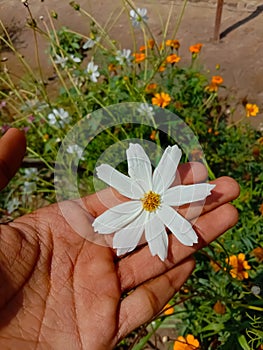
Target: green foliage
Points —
{"points": [[47, 113]]}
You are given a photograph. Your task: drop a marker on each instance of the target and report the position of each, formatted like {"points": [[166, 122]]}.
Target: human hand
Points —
{"points": [[61, 291]]}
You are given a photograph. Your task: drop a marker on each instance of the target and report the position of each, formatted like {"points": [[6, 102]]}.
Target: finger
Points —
{"points": [[140, 266], [150, 298], [226, 189], [97, 203], [12, 151]]}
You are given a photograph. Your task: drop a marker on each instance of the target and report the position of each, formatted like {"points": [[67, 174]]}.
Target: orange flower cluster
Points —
{"points": [[251, 110], [161, 100], [239, 266], [187, 343]]}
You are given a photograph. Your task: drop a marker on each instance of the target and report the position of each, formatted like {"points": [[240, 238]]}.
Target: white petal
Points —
{"points": [[122, 183], [139, 166], [180, 195], [164, 174], [117, 217], [126, 239], [179, 226], [156, 237]]}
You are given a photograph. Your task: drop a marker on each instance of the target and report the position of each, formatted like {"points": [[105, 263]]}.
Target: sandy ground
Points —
{"points": [[239, 52]]}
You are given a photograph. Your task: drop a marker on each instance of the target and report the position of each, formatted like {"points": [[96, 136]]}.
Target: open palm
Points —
{"points": [[61, 291]]}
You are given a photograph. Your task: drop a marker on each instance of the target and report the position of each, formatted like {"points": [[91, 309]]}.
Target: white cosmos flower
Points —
{"points": [[124, 57], [92, 71], [58, 117], [60, 60], [76, 150], [150, 209], [138, 16]]}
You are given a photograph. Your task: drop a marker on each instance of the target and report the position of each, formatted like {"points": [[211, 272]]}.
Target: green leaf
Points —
{"points": [[243, 342]]}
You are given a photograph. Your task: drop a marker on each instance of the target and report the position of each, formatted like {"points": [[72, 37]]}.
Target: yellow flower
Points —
{"points": [[195, 48], [161, 100], [219, 308], [239, 265], [168, 310], [173, 44], [252, 110], [45, 137], [139, 57], [217, 79], [188, 343], [173, 58]]}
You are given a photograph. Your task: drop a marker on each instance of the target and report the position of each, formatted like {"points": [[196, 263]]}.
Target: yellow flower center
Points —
{"points": [[151, 201]]}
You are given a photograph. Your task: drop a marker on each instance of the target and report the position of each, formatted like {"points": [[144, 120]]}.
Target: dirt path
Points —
{"points": [[239, 52]]}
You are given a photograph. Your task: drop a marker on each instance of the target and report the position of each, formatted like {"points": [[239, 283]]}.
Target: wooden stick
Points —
{"points": [[219, 10]]}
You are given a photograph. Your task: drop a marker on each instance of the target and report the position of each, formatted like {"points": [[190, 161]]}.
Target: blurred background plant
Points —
{"points": [[220, 307]]}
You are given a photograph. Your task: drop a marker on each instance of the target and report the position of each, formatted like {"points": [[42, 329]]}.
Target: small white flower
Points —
{"points": [[90, 43], [61, 61], [124, 57], [255, 290], [150, 209], [29, 187], [145, 110], [92, 71], [58, 117], [12, 205], [76, 150], [75, 59], [138, 17], [31, 173]]}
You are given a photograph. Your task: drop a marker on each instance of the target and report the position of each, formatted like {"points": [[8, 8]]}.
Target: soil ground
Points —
{"points": [[239, 52]]}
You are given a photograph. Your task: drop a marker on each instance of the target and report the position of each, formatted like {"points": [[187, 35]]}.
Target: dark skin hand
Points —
{"points": [[61, 291]]}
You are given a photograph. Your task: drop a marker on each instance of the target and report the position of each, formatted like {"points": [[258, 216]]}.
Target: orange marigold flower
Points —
{"points": [[173, 43], [151, 43], [211, 87], [161, 100], [258, 253], [173, 58], [168, 309], [216, 267], [187, 343], [252, 110], [142, 48], [239, 265], [162, 67], [217, 79], [150, 88], [219, 308], [153, 135], [139, 57], [112, 68], [195, 48]]}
